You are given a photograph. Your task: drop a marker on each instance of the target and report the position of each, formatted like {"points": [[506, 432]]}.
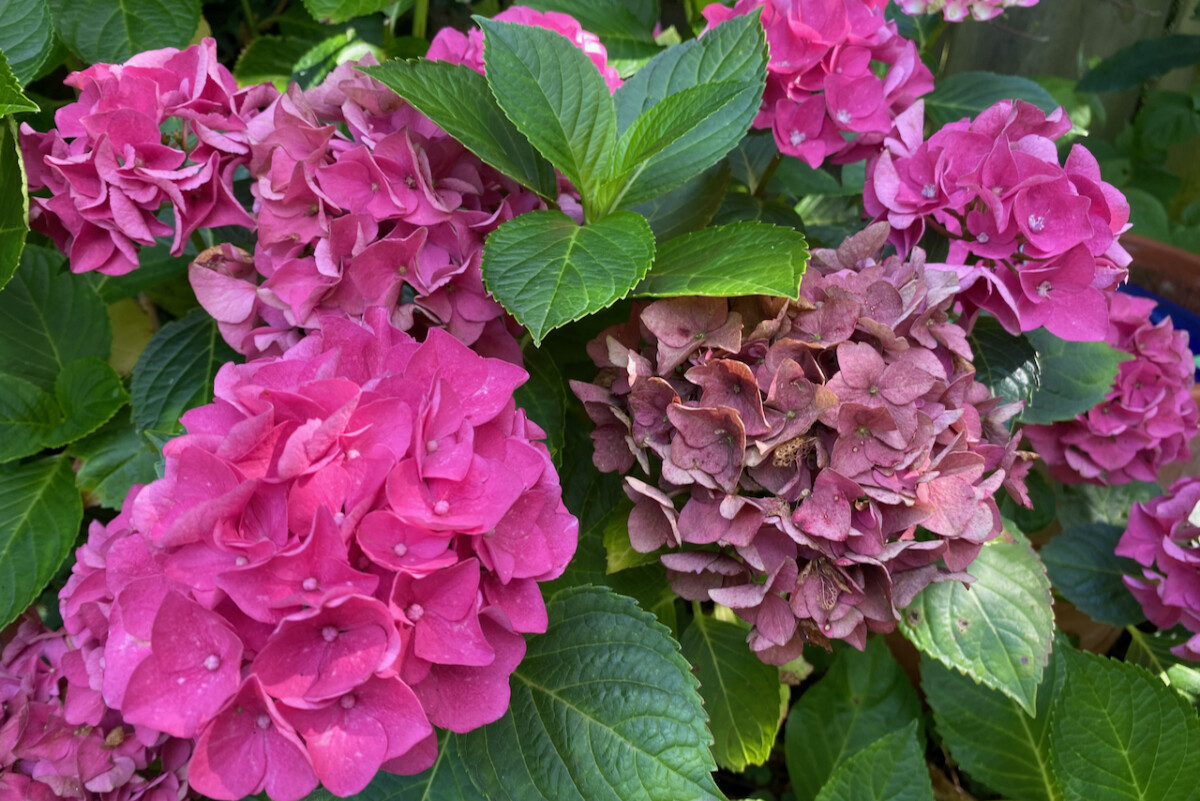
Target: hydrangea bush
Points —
{"points": [[490, 412]]}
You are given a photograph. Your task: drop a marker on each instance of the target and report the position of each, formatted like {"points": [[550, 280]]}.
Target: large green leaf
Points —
{"points": [[113, 30], [458, 99], [155, 265], [1074, 377], [89, 392], [14, 212], [745, 700], [1145, 59], [555, 95], [746, 258], [40, 512], [335, 11], [968, 93], [998, 630], [112, 460], [603, 707], [889, 769], [176, 370], [863, 697], [26, 36], [1085, 570], [990, 736], [611, 20], [50, 318], [269, 59], [548, 271], [12, 99], [1081, 504], [1119, 733], [1005, 364], [27, 415], [689, 207], [1153, 650]]}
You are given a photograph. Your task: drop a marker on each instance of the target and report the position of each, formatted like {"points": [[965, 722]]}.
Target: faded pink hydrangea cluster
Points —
{"points": [[793, 449], [59, 741], [166, 127], [825, 97], [959, 10], [361, 202], [344, 552], [1148, 417], [467, 48], [1033, 242], [1163, 536]]}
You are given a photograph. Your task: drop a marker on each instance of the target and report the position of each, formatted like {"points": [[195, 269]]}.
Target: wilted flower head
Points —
{"points": [[1149, 416], [343, 553], [166, 127], [800, 446], [1163, 536], [57, 740], [838, 77], [1033, 243], [959, 10]]}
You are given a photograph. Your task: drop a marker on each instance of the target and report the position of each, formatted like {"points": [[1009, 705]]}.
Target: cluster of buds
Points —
{"points": [[839, 75], [1149, 416], [344, 552], [60, 742], [1163, 536], [959, 10], [166, 127], [810, 464], [1034, 243]]}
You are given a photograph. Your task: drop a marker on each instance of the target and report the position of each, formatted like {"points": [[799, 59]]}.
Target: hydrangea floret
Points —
{"points": [[959, 10], [58, 740], [168, 127], [1149, 416], [839, 75], [1034, 243], [810, 464], [343, 553], [1163, 536]]}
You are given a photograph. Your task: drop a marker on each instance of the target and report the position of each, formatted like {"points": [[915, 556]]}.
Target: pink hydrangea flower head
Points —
{"points": [[839, 76], [799, 445], [344, 551], [1162, 537], [1149, 416], [167, 127], [959, 10], [1033, 242]]}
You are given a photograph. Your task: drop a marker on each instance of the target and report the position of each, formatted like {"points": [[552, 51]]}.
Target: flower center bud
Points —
{"points": [[431, 446], [873, 391], [329, 633], [212, 662], [982, 239], [347, 702], [240, 561], [1036, 223], [929, 191], [400, 549], [263, 721], [441, 507], [843, 116], [414, 612], [798, 138], [310, 584], [1044, 289]]}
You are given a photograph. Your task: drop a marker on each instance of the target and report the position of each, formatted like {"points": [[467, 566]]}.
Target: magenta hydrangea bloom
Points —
{"points": [[1149, 416], [467, 48], [838, 78], [344, 552], [959, 10], [57, 740], [1163, 536], [1033, 242], [166, 127], [800, 445]]}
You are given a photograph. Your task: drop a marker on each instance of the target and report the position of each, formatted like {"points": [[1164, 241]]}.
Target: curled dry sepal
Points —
{"points": [[791, 450], [1148, 417], [344, 552], [1034, 243], [1163, 535], [959, 10], [825, 99]]}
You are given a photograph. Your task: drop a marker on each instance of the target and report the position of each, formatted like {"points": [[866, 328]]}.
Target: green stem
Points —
{"points": [[767, 174], [420, 18], [251, 22]]}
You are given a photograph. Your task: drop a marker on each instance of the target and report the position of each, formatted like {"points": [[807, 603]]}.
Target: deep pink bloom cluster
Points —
{"points": [[467, 48], [798, 446], [825, 97], [1163, 536], [166, 127], [1148, 417], [959, 10], [344, 552], [1033, 242], [361, 202], [58, 741]]}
